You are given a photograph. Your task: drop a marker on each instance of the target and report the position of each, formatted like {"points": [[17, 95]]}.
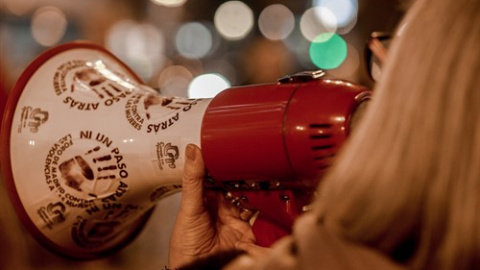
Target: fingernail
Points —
{"points": [[190, 152]]}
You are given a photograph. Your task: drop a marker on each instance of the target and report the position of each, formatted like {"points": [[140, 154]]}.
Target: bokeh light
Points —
{"points": [[140, 45], [328, 51], [233, 20], [345, 12], [174, 81], [157, 37], [48, 25], [207, 85], [19, 7], [316, 21], [350, 65], [169, 3], [193, 40], [276, 22]]}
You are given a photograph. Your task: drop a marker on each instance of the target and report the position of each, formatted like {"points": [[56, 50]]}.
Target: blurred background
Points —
{"points": [[185, 48], [170, 43]]}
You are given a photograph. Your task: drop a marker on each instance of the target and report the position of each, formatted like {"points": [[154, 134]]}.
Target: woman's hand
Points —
{"points": [[200, 231]]}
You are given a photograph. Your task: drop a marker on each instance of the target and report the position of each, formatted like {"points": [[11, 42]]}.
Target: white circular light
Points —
{"points": [[169, 3], [140, 45], [276, 22], [193, 40], [207, 86], [48, 25], [174, 81], [233, 20], [316, 21], [345, 12]]}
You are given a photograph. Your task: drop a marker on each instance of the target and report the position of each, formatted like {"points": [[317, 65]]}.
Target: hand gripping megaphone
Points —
{"points": [[87, 149]]}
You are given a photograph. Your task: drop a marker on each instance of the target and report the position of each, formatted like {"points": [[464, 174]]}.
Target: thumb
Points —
{"points": [[192, 182]]}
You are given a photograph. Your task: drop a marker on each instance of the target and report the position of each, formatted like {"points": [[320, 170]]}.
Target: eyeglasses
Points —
{"points": [[376, 52]]}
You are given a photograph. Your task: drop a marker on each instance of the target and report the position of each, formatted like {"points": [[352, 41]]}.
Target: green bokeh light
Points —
{"points": [[328, 51]]}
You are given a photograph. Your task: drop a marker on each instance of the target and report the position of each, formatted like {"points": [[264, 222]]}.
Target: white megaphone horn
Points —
{"points": [[87, 149]]}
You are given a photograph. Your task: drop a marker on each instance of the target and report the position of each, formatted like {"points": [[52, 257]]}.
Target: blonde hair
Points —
{"points": [[408, 181]]}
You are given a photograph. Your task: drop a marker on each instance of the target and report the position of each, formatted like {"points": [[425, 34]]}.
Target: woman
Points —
{"points": [[404, 194]]}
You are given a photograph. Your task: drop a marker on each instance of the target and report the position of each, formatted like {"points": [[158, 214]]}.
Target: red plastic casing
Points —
{"points": [[270, 144], [286, 131]]}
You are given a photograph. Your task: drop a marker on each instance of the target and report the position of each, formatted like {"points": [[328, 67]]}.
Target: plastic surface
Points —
{"points": [[87, 150], [269, 145], [278, 132]]}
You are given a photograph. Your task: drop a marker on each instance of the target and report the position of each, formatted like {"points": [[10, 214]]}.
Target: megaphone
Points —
{"points": [[87, 149]]}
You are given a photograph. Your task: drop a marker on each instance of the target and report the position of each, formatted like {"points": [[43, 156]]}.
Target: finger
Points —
{"points": [[232, 205], [192, 182]]}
